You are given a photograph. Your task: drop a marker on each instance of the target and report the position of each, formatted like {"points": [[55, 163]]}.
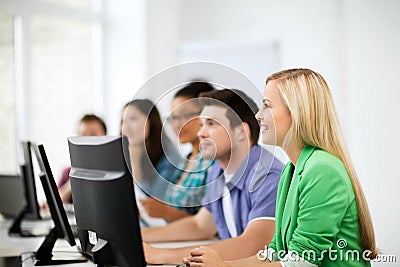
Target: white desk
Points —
{"points": [[16, 246]]}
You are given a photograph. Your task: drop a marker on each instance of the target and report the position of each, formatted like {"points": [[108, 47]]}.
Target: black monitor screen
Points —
{"points": [[62, 228], [32, 208], [11, 195], [104, 201]]}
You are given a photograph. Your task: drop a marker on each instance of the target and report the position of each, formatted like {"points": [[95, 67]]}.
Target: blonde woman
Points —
{"points": [[322, 218]]}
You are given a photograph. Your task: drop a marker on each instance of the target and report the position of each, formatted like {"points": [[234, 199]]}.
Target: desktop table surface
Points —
{"points": [[25, 247]]}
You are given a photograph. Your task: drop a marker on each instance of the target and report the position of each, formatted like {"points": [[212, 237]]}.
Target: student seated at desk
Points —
{"points": [[184, 198], [89, 125], [322, 217], [154, 159], [229, 133]]}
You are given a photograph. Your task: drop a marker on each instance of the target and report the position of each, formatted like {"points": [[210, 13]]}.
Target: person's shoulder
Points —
{"points": [[265, 159], [327, 173], [167, 169], [323, 161], [214, 172], [171, 153], [162, 162], [324, 167], [266, 169]]}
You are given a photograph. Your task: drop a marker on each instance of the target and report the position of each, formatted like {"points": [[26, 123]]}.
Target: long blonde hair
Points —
{"points": [[315, 122]]}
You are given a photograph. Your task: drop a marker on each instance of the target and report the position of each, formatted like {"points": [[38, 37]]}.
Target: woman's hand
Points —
{"points": [[204, 257]]}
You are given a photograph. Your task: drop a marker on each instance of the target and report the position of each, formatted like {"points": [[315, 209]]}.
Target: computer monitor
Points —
{"points": [[104, 201], [11, 195], [61, 229], [31, 209]]}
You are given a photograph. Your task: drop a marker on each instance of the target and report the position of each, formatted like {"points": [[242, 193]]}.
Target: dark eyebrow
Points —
{"points": [[209, 119], [206, 119]]}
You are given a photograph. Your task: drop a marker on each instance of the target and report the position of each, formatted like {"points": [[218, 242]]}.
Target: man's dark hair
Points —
{"points": [[240, 108], [92, 117], [194, 89]]}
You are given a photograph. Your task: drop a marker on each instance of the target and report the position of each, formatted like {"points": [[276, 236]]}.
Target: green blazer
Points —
{"points": [[316, 212]]}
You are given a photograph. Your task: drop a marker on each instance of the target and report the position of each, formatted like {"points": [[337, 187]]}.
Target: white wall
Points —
{"points": [[373, 123], [353, 44], [308, 31], [162, 33], [124, 38]]}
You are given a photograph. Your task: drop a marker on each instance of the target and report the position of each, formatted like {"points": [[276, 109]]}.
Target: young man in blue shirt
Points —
{"points": [[239, 203]]}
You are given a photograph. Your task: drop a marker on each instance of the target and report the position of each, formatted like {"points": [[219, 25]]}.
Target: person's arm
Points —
{"points": [[324, 196], [157, 209], [206, 257], [200, 226], [173, 214], [65, 192], [197, 227], [255, 236], [250, 261]]}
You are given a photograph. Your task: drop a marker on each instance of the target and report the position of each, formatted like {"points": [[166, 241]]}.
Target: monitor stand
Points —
{"points": [[16, 229], [44, 255]]}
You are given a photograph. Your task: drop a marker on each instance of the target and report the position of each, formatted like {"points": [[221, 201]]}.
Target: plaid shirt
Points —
{"points": [[188, 194]]}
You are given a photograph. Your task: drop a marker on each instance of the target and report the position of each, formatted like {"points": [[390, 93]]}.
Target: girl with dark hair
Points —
{"points": [[184, 198], [154, 159]]}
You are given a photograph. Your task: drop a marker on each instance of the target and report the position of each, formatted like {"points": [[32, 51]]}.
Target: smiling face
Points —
{"points": [[216, 135], [184, 119], [274, 116]]}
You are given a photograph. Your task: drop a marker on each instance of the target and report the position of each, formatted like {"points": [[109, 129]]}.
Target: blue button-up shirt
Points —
{"points": [[252, 188]]}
